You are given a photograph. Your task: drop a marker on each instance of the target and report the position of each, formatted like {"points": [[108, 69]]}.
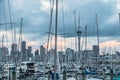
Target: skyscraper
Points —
{"points": [[96, 50], [4, 53], [14, 47], [29, 53], [37, 55], [14, 52], [23, 51], [42, 53], [23, 46]]}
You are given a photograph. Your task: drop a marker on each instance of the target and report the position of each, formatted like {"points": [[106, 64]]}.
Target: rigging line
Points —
{"points": [[81, 48], [20, 34], [51, 14], [86, 37], [86, 44], [82, 44], [61, 45], [14, 30], [10, 18], [63, 25], [68, 16], [79, 20], [3, 40], [5, 21], [68, 9], [51, 43], [119, 19]]}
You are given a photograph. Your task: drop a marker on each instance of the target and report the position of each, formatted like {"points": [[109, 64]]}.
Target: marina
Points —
{"points": [[51, 40]]}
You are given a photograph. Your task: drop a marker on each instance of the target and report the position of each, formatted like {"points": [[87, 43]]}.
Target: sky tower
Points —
{"points": [[79, 36]]}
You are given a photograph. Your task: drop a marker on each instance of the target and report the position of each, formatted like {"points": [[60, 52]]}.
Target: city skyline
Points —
{"points": [[35, 16]]}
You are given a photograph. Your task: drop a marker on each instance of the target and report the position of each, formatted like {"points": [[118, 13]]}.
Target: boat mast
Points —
{"points": [[86, 55], [97, 36], [55, 53], [10, 15], [75, 30], [20, 37], [3, 41]]}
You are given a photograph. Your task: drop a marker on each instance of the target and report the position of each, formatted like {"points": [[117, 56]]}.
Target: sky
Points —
{"points": [[36, 20]]}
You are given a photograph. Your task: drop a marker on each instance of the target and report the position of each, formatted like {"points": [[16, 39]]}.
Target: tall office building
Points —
{"points": [[23, 51], [70, 55], [4, 53], [29, 52], [37, 57], [14, 47], [23, 46], [14, 52], [96, 50], [42, 53]]}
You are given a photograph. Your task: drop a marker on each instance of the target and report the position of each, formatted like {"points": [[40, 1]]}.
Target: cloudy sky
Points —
{"points": [[36, 19]]}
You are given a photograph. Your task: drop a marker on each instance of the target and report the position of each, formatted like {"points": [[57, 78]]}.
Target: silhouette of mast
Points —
{"points": [[97, 36], [55, 53]]}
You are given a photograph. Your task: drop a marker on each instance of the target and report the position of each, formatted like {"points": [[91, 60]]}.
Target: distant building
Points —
{"points": [[29, 53], [69, 55], [4, 53], [61, 57], [14, 52], [96, 50], [23, 46], [42, 53], [37, 56], [87, 55], [50, 56], [23, 51], [14, 47]]}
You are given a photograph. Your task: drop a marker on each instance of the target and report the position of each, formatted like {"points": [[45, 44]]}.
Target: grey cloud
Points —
{"points": [[36, 20]]}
